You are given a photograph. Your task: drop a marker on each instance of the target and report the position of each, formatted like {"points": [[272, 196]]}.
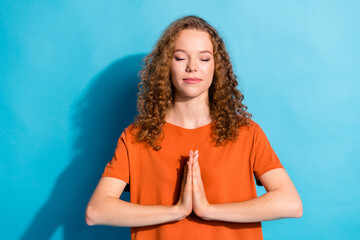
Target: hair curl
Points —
{"points": [[156, 88]]}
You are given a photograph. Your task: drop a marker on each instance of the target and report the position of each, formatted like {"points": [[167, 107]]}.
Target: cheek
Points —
{"points": [[209, 70], [176, 69]]}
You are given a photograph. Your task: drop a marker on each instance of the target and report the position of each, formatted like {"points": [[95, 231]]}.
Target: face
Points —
{"points": [[192, 65]]}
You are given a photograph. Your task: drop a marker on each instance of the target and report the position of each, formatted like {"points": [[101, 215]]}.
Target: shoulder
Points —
{"points": [[130, 129], [253, 124], [251, 127], [130, 135], [251, 131]]}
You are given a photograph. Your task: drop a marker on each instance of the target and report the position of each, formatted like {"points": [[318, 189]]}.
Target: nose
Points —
{"points": [[191, 67]]}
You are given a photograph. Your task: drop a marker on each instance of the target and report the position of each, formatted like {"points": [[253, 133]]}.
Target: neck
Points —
{"points": [[189, 113]]}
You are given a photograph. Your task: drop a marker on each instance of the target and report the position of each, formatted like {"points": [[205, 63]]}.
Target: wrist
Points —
{"points": [[205, 212], [179, 212]]}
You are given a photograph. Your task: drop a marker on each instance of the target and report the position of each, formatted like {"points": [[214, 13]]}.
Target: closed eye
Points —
{"points": [[180, 59]]}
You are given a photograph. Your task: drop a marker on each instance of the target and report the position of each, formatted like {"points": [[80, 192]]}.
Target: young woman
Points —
{"points": [[192, 153]]}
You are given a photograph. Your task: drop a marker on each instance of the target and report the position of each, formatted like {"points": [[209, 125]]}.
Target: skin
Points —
{"points": [[191, 110], [193, 57], [191, 103], [200, 203], [280, 201]]}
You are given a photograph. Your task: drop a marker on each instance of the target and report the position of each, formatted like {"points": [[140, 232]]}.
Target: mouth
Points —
{"points": [[192, 80]]}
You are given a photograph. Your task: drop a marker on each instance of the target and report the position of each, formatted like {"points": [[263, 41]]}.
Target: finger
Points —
{"points": [[185, 186], [189, 175], [196, 182], [191, 156], [195, 154], [195, 159], [198, 186], [196, 169], [198, 176], [194, 178], [188, 169]]}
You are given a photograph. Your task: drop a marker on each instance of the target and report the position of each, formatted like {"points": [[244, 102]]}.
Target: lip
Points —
{"points": [[192, 80]]}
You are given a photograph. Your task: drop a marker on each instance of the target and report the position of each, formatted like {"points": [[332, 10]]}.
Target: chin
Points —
{"points": [[191, 94]]}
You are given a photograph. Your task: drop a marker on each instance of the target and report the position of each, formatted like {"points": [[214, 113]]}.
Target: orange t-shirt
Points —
{"points": [[227, 174]]}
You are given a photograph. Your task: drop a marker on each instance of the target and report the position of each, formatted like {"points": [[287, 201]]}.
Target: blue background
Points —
{"points": [[68, 84]]}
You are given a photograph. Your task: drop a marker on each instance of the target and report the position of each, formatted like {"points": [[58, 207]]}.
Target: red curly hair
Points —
{"points": [[156, 89]]}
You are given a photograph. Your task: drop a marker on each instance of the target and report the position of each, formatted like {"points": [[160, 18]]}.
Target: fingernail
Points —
{"points": [[196, 151]]}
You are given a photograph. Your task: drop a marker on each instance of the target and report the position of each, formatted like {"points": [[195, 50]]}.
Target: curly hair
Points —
{"points": [[156, 89]]}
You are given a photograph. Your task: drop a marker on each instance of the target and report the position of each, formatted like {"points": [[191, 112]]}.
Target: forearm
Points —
{"points": [[116, 212], [272, 205]]}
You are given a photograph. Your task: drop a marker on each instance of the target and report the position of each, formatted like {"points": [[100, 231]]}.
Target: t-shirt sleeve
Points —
{"points": [[265, 157], [118, 167]]}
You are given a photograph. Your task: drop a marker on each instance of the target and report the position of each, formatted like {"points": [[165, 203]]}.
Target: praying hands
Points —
{"points": [[193, 195]]}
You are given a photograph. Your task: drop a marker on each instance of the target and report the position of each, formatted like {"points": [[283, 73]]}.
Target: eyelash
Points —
{"points": [[180, 59]]}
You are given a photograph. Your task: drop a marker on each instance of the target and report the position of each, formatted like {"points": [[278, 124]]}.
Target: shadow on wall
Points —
{"points": [[99, 117]]}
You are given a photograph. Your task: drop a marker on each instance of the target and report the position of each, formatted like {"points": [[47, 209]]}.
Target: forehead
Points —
{"points": [[190, 39]]}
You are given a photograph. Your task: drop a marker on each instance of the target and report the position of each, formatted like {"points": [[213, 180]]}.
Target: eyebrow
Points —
{"points": [[203, 51]]}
